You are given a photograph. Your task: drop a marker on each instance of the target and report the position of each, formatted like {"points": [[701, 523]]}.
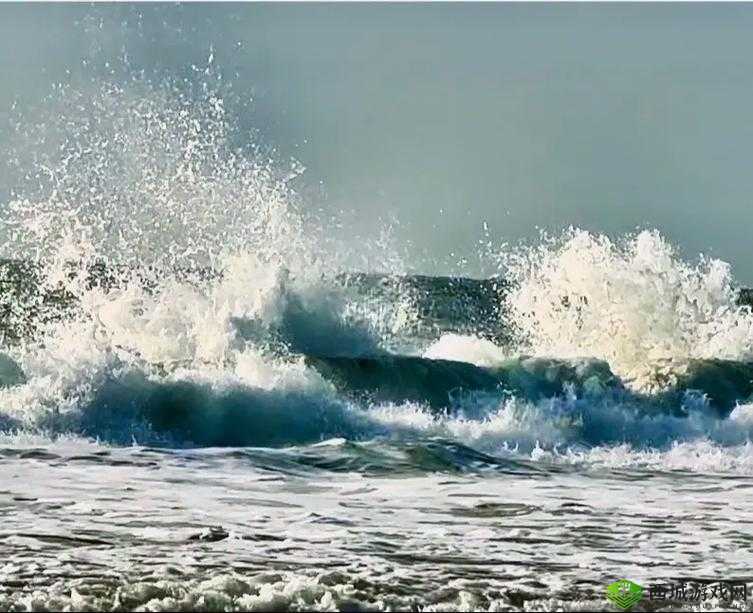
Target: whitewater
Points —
{"points": [[211, 400]]}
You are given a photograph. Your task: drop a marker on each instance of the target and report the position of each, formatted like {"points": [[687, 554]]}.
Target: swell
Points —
{"points": [[522, 401], [446, 385]]}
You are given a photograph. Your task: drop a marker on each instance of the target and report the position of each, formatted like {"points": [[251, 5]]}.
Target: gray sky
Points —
{"points": [[608, 117]]}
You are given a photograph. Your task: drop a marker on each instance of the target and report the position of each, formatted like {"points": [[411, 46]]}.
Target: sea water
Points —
{"points": [[210, 402]]}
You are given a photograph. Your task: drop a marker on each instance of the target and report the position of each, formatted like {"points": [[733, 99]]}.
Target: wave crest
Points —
{"points": [[634, 304]]}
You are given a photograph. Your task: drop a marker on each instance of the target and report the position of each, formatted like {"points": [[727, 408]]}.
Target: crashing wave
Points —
{"points": [[165, 285]]}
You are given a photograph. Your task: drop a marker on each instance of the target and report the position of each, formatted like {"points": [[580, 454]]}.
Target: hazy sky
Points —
{"points": [[608, 117]]}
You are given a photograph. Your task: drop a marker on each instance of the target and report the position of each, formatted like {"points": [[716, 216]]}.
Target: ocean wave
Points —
{"points": [[172, 290], [527, 405], [633, 303]]}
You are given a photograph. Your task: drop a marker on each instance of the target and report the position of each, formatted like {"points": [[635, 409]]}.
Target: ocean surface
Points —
{"points": [[204, 404]]}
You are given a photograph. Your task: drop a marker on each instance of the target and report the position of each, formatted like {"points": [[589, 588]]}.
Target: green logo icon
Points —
{"points": [[625, 594]]}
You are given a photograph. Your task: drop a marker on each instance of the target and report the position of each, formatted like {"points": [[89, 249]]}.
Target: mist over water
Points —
{"points": [[273, 414]]}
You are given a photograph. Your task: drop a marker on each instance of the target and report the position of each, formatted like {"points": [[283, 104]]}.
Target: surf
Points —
{"points": [[164, 285]]}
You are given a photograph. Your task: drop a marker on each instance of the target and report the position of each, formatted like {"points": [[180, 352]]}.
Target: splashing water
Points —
{"points": [[206, 261], [189, 259], [633, 303], [147, 173]]}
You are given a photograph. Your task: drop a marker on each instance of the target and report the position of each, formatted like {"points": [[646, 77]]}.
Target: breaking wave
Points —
{"points": [[165, 285]]}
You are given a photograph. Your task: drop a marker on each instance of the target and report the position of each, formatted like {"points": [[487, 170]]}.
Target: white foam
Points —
{"points": [[154, 187], [743, 415], [463, 348], [633, 303]]}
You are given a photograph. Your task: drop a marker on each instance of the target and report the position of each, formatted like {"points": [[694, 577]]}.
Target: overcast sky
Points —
{"points": [[608, 117]]}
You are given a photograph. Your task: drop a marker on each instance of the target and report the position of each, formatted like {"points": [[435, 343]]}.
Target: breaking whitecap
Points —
{"points": [[193, 373]]}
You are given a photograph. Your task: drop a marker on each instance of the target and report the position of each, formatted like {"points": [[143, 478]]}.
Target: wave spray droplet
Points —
{"points": [[160, 243], [633, 303]]}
